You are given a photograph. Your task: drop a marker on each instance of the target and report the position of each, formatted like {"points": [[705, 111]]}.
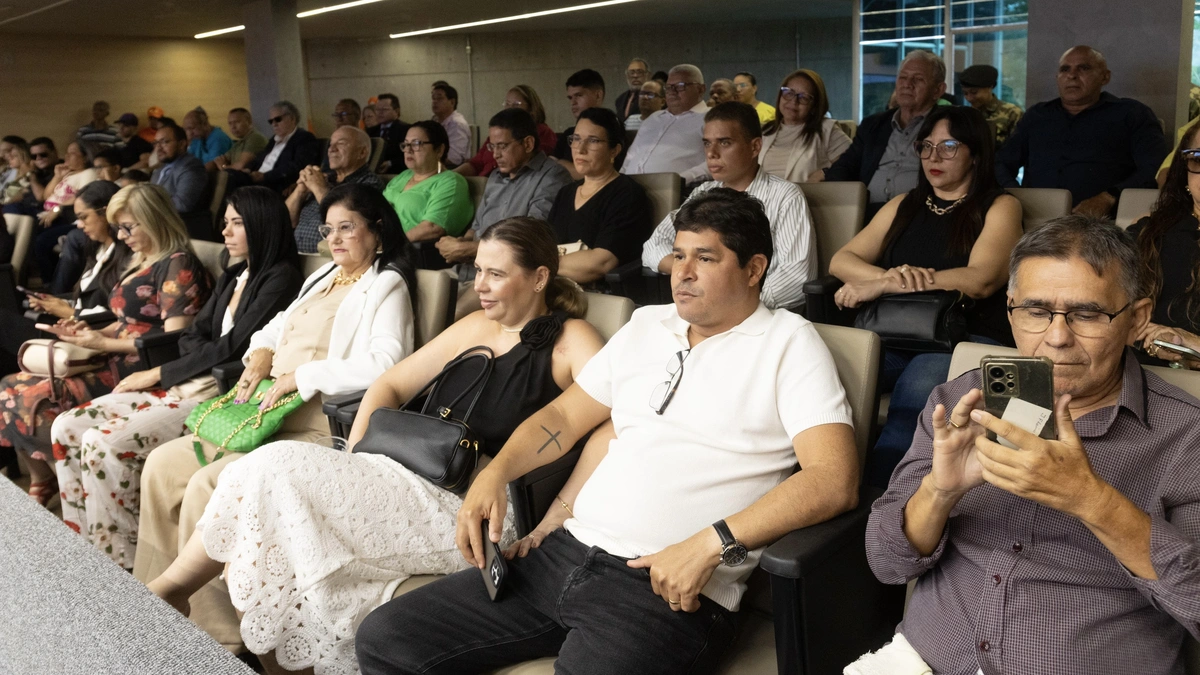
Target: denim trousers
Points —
{"points": [[565, 599]]}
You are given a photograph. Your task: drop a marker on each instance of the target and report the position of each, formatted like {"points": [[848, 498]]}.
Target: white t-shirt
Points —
{"points": [[723, 442]]}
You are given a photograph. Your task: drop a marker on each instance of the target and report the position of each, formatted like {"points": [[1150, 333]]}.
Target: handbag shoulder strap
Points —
{"points": [[478, 384]]}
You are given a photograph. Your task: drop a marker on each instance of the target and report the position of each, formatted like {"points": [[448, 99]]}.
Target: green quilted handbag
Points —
{"points": [[238, 427]]}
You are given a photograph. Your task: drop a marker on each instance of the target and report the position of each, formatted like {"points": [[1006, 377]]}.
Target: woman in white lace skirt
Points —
{"points": [[313, 539]]}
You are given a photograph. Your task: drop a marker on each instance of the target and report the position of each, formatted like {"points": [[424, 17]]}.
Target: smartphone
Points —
{"points": [[1186, 352], [1029, 379], [26, 291], [495, 567]]}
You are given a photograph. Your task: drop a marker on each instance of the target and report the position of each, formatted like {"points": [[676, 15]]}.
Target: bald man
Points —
{"points": [[349, 150], [1086, 140]]}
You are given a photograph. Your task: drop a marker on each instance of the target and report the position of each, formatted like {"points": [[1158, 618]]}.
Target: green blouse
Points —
{"points": [[442, 199]]}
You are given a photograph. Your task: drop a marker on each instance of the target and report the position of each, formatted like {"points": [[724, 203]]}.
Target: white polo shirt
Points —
{"points": [[723, 442]]}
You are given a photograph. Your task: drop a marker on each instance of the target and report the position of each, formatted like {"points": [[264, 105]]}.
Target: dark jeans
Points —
{"points": [[71, 262], [44, 241], [566, 599]]}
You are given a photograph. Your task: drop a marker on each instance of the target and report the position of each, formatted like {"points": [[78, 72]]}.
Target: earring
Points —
{"points": [[538, 289]]}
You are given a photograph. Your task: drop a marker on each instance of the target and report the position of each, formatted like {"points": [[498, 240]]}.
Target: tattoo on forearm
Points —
{"points": [[553, 439]]}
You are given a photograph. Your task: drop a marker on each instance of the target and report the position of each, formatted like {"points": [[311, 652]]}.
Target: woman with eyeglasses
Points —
{"points": [[601, 220], [352, 321], [316, 538], [526, 98], [1169, 255], [954, 231], [111, 435], [801, 142], [161, 289], [431, 201]]}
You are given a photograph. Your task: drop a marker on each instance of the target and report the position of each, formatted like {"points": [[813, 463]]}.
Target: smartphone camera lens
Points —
{"points": [[998, 387], [1012, 385], [996, 372]]}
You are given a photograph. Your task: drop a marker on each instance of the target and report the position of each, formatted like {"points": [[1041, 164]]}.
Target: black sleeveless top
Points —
{"points": [[926, 243], [522, 382]]}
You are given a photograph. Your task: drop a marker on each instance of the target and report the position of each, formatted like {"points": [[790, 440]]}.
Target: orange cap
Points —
{"points": [[155, 111], [373, 100]]}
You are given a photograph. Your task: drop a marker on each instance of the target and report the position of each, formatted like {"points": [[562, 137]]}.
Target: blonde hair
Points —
{"points": [[150, 207]]}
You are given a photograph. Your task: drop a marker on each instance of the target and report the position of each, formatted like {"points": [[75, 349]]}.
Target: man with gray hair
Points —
{"points": [[349, 150], [882, 154], [1077, 554], [636, 74], [1086, 140], [673, 139], [290, 150]]}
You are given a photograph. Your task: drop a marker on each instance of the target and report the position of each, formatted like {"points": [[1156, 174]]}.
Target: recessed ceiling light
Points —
{"points": [[219, 31], [518, 17], [300, 15]]}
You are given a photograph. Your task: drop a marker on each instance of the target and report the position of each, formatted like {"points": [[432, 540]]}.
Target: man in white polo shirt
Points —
{"points": [[713, 400]]}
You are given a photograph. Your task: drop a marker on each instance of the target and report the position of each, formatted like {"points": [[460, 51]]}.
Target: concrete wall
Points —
{"points": [[47, 87], [1148, 45], [544, 60]]}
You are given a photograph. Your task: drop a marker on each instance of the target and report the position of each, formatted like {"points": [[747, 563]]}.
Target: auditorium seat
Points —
{"points": [[646, 286], [1041, 204], [475, 186], [214, 256], [377, 144], [218, 182], [837, 212], [1133, 204], [850, 127], [21, 230]]}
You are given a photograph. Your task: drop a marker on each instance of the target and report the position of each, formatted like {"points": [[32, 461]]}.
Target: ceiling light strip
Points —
{"points": [[220, 31], [39, 10], [531, 15], [334, 8]]}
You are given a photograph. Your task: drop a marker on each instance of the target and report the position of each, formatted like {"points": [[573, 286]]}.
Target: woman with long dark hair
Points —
{"points": [[801, 142], [112, 434], [341, 530], [954, 231], [1169, 254]]}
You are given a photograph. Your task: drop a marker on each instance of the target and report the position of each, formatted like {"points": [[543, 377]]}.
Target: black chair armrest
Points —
{"points": [[829, 608], [657, 287], [428, 257], [340, 410], [819, 304], [227, 374], [625, 280], [99, 318], [155, 350], [534, 493]]}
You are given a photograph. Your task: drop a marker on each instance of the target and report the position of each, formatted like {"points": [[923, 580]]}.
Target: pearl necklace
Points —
{"points": [[939, 210]]}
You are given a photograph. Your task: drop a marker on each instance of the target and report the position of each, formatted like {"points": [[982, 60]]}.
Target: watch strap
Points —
{"points": [[724, 533]]}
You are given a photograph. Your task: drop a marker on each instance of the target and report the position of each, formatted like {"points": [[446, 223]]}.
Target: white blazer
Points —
{"points": [[372, 331], [821, 153]]}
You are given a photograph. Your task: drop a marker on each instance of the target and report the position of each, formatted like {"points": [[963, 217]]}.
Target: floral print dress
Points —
{"points": [[177, 285]]}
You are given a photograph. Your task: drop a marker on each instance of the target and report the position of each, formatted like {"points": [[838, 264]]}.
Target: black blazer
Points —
{"points": [[392, 138], [619, 106], [303, 149], [861, 159], [96, 294], [202, 346]]}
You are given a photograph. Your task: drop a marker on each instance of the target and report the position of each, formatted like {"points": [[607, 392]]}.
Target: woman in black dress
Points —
{"points": [[954, 231]]}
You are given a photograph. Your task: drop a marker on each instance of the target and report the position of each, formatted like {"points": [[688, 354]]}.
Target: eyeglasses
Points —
{"points": [[648, 95], [501, 147], [661, 397], [592, 142], [275, 120], [40, 155], [345, 230], [679, 87], [945, 149], [515, 104], [797, 96], [1087, 323], [1192, 157], [127, 229], [414, 145], [635, 71]]}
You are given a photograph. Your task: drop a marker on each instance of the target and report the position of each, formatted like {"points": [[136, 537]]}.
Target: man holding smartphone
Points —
{"points": [[1072, 555], [713, 401]]}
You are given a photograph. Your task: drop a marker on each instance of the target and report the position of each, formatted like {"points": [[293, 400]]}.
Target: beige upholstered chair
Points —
{"points": [[475, 185], [1134, 203], [436, 296], [837, 211], [608, 313], [21, 230], [1041, 204], [664, 191], [966, 357], [848, 126], [218, 181], [376, 155], [211, 254]]}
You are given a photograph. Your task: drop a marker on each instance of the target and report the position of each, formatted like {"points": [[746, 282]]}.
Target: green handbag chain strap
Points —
{"points": [[220, 403]]}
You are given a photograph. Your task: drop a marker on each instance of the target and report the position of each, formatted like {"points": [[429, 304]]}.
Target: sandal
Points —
{"points": [[44, 491]]}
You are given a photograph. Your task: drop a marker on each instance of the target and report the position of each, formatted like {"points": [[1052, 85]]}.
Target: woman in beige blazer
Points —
{"points": [[801, 142]]}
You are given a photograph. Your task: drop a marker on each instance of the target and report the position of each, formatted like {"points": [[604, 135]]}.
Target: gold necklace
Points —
{"points": [[342, 280], [607, 180], [939, 210]]}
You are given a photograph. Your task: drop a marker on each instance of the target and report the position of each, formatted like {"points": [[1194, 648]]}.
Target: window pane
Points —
{"points": [[1003, 50], [975, 13], [890, 30]]}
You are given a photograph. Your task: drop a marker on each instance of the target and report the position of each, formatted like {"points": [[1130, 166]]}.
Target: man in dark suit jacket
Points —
{"points": [[178, 172], [882, 154], [636, 75], [290, 150], [392, 130]]}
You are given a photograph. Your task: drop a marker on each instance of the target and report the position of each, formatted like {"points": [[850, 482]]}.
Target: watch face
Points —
{"points": [[734, 555]]}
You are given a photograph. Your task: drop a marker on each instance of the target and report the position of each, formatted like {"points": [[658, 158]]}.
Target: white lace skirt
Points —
{"points": [[315, 539]]}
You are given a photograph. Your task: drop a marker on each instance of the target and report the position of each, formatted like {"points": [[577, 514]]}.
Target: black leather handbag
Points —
{"points": [[927, 321], [432, 444]]}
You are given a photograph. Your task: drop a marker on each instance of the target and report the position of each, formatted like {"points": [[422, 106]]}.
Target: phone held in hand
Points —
{"points": [[1020, 390], [495, 567], [1185, 352]]}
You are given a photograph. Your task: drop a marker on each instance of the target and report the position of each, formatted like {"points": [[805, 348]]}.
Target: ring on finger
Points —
{"points": [[950, 421], [672, 602]]}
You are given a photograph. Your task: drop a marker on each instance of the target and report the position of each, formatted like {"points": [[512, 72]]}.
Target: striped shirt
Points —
{"points": [[792, 233], [1015, 587]]}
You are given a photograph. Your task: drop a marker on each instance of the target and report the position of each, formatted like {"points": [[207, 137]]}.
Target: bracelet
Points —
{"points": [[251, 354], [564, 505]]}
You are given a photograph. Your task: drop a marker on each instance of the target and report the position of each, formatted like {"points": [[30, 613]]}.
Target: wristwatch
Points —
{"points": [[733, 552]]}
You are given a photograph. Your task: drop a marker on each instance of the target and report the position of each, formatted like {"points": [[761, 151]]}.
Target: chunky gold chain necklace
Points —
{"points": [[342, 280], [940, 210]]}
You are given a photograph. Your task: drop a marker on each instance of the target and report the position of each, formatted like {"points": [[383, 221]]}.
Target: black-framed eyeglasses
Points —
{"points": [[1091, 323], [661, 397], [789, 94], [1192, 160], [127, 229], [679, 87], [946, 149], [40, 155], [415, 145], [275, 120]]}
